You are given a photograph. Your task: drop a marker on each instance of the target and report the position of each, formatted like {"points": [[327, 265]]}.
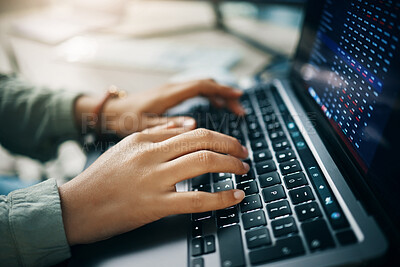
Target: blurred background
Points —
{"points": [[86, 45]]}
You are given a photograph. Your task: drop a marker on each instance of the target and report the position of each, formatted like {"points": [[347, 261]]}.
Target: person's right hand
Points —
{"points": [[133, 183]]}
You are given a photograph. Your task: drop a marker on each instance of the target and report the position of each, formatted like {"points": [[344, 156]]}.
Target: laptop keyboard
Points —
{"points": [[289, 209]]}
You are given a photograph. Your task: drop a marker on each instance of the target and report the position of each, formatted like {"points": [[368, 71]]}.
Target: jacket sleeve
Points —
{"points": [[31, 227], [34, 121]]}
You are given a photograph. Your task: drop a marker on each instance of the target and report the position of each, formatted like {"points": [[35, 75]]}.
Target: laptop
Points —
{"points": [[323, 188]]}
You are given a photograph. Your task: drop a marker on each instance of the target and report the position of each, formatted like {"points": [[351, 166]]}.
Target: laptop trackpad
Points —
{"points": [[162, 243]]}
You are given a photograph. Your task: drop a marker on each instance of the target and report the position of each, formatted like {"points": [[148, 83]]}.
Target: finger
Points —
{"points": [[235, 106], [160, 133], [181, 121], [203, 139], [217, 101], [201, 162], [194, 202], [211, 88]]}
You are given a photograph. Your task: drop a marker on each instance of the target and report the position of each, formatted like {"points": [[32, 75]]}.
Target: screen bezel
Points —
{"points": [[359, 178]]}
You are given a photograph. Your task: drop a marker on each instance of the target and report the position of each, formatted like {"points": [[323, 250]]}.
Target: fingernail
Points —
{"points": [[238, 194], [170, 124], [246, 166], [189, 123], [245, 150]]}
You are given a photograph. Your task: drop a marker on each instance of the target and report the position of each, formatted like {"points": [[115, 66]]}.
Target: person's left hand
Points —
{"points": [[137, 112]]}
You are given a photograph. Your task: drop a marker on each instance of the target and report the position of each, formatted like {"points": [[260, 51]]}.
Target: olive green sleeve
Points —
{"points": [[31, 227], [34, 121]]}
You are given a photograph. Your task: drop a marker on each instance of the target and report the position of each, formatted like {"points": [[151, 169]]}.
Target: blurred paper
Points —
{"points": [[152, 54]]}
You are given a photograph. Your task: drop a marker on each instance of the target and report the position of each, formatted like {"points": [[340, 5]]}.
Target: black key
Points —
{"points": [[198, 262], [227, 216], [317, 235], [273, 193], [258, 237], [201, 180], [283, 226], [295, 180], [201, 216], [250, 203], [285, 155], [267, 110], [197, 229], [278, 209], [256, 135], [262, 155], [265, 166], [203, 188], [253, 126], [270, 118], [231, 246], [245, 177], [197, 246], [275, 135], [307, 211], [221, 176], [280, 144], [273, 126], [223, 186], [259, 144], [269, 179], [209, 244], [301, 194], [290, 167], [263, 102], [253, 219], [284, 248], [249, 188], [346, 237]]}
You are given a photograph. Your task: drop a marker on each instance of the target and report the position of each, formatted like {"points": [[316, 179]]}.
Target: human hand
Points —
{"points": [[133, 183], [140, 111]]}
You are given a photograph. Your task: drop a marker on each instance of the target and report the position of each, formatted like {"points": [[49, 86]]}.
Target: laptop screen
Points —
{"points": [[348, 61]]}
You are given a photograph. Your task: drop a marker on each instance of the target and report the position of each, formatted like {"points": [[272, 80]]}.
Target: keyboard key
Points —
{"points": [[256, 135], [295, 180], [267, 110], [221, 176], [285, 155], [201, 180], [280, 144], [197, 246], [201, 216], [275, 135], [203, 188], [269, 179], [223, 186], [273, 126], [209, 244], [245, 177], [278, 209], [227, 216], [250, 203], [259, 144], [253, 126], [346, 237], [283, 226], [265, 166], [253, 219], [197, 229], [273, 193], [262, 155], [290, 167], [249, 188], [270, 118], [317, 235], [301, 194], [307, 211], [198, 262], [258, 237], [284, 248], [231, 246]]}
